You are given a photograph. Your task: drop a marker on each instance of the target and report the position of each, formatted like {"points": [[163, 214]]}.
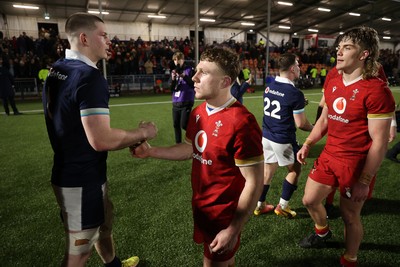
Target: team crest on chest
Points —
{"points": [[218, 125], [355, 92]]}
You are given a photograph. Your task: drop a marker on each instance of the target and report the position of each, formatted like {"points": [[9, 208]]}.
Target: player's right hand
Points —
{"points": [[303, 154], [141, 150]]}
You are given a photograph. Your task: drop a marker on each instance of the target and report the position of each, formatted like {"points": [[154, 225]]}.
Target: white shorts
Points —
{"points": [[284, 154]]}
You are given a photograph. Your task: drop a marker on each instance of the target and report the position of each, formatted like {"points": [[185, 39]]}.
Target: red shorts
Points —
{"points": [[339, 173]]}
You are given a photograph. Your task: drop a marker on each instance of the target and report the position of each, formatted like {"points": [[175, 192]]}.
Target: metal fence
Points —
{"points": [[124, 84], [137, 83], [26, 87]]}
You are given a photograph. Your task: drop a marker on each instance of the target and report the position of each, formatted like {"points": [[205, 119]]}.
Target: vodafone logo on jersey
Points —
{"points": [[200, 141], [339, 105]]}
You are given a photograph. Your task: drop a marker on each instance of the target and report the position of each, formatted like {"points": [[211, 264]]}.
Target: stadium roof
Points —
{"points": [[300, 17]]}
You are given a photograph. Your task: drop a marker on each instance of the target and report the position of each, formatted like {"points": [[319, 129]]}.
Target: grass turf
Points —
{"points": [[152, 200]]}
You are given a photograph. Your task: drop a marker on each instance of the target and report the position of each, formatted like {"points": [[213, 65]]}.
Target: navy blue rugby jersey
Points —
{"points": [[74, 89], [281, 100]]}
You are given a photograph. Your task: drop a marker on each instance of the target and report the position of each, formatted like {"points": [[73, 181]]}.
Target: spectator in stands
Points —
{"points": [[223, 140], [148, 65], [7, 90], [75, 102], [182, 87]]}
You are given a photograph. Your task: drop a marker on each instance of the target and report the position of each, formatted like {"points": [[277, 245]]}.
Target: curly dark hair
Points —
{"points": [[225, 58]]}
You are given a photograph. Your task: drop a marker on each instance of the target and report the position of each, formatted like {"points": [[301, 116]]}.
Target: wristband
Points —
{"points": [[308, 142], [394, 123], [365, 178]]}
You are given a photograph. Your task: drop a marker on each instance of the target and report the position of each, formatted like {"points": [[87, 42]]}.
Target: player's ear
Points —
{"points": [[364, 55], [83, 38], [227, 81]]}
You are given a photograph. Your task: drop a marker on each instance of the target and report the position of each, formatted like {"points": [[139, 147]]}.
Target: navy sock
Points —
{"points": [[287, 190], [116, 262], [264, 193]]}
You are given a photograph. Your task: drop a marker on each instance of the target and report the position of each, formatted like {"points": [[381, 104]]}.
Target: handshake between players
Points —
{"points": [[151, 130]]}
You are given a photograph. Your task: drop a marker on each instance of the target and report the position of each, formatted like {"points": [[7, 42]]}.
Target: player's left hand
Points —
{"points": [[223, 242], [302, 154], [359, 192]]}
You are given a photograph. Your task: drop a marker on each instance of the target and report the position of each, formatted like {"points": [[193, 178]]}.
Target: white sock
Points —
{"points": [[259, 204], [283, 203]]}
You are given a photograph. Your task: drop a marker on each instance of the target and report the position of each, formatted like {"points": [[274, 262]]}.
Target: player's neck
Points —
{"points": [[220, 100], [352, 74]]}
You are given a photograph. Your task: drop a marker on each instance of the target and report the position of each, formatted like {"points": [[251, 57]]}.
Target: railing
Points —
{"points": [[26, 87], [29, 88], [137, 83]]}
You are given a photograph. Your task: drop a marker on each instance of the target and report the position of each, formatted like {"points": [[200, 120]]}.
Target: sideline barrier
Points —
{"points": [[118, 84], [26, 87]]}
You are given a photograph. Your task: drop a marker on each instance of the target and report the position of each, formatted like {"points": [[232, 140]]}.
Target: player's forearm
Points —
{"points": [[378, 129], [176, 152], [249, 196], [374, 160], [319, 131], [306, 126]]}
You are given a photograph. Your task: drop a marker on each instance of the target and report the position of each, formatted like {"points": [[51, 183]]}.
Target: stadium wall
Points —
{"points": [[15, 25], [124, 31]]}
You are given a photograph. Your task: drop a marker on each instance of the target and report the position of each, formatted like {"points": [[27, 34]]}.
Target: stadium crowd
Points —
{"points": [[24, 56]]}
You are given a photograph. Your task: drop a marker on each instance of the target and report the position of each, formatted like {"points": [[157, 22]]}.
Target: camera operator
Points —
{"points": [[182, 88]]}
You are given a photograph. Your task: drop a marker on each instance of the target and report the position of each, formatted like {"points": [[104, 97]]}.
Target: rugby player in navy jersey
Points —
{"points": [[75, 102], [283, 113]]}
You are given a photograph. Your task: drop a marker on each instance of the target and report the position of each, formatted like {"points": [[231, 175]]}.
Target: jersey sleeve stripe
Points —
{"points": [[249, 161], [381, 116], [299, 111], [95, 111]]}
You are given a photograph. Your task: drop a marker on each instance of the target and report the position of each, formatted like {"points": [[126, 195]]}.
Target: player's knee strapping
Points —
{"points": [[82, 242]]}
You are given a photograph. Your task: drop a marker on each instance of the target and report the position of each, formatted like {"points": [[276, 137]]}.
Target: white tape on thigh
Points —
{"points": [[82, 242]]}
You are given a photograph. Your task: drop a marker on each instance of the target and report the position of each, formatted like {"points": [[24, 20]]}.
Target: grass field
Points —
{"points": [[152, 200]]}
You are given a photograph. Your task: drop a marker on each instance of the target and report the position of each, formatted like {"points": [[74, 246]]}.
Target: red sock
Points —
{"points": [[322, 231], [346, 263]]}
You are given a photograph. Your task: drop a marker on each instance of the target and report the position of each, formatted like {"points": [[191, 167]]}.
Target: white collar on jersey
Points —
{"points": [[211, 110], [353, 81], [283, 80], [72, 54]]}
